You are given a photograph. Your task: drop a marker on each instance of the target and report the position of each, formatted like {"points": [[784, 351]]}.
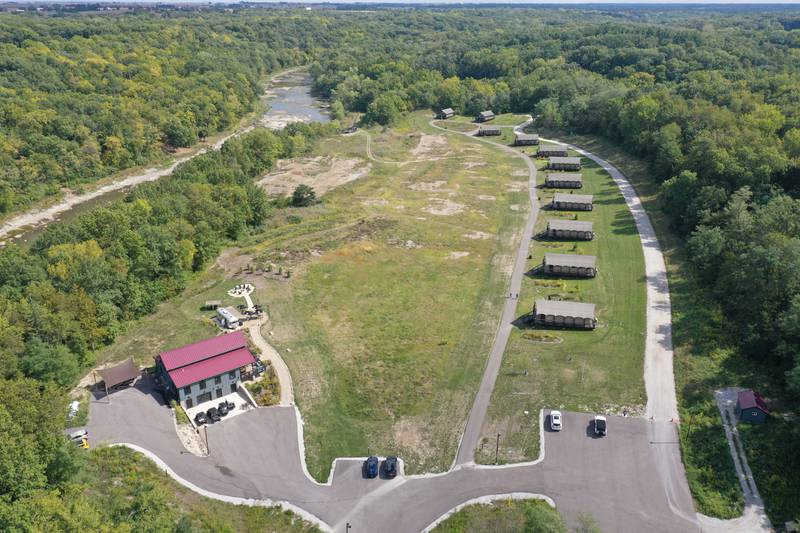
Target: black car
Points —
{"points": [[229, 405], [390, 467], [222, 408], [371, 467], [200, 419], [213, 415]]}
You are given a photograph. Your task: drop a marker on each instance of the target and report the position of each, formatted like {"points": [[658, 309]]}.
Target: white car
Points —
{"points": [[555, 420]]}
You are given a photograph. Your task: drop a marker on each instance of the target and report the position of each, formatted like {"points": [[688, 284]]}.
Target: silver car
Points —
{"points": [[555, 420]]}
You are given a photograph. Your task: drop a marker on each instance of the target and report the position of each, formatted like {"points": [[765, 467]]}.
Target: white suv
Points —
{"points": [[555, 420]]}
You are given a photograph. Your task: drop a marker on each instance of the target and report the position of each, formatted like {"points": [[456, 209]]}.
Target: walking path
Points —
{"points": [[754, 517], [472, 431], [277, 362]]}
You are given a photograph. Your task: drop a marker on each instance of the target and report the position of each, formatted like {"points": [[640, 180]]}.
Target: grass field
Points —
{"points": [[702, 361], [599, 370], [128, 487], [504, 516]]}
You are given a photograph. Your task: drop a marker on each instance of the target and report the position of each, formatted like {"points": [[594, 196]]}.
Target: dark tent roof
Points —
{"points": [[120, 373], [749, 399]]}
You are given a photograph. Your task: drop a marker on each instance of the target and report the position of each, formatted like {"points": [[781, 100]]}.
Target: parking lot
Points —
{"points": [[241, 404]]}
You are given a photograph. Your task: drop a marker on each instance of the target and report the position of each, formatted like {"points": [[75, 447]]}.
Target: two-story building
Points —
{"points": [[205, 370]]}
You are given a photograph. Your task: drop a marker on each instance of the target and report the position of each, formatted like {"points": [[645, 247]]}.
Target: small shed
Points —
{"points": [[446, 113], [564, 163], [569, 230], [124, 372], [751, 407], [572, 202], [564, 314], [580, 266], [563, 180], [484, 116], [489, 131], [212, 304], [552, 150], [526, 139]]}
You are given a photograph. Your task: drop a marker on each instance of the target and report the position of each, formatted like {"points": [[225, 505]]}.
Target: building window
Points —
{"points": [[187, 390], [189, 403], [232, 374], [233, 387], [217, 380], [202, 384]]}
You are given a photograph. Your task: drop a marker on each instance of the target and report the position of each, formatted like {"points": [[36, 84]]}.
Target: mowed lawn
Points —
{"points": [[600, 370], [395, 294]]}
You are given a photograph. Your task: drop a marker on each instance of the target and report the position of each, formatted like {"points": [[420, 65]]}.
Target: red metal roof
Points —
{"points": [[211, 366], [192, 353], [749, 399]]}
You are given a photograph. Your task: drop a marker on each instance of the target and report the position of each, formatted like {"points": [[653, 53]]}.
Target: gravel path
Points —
{"points": [[271, 354]]}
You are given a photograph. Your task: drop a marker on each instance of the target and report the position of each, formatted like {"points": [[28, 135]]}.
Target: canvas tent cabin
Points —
{"points": [[488, 131], [205, 370], [446, 113], [572, 202], [751, 407], [564, 163], [112, 376], [212, 304], [526, 139], [552, 150], [484, 116], [564, 314], [569, 230], [563, 180], [574, 265]]}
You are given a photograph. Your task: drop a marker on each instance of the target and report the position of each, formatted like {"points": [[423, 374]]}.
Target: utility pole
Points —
{"points": [[205, 430], [347, 527], [497, 449]]}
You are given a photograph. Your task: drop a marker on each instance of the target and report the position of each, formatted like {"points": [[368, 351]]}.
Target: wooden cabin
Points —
{"points": [[564, 314], [552, 150], [569, 230], [564, 163], [526, 139], [574, 265], [489, 131], [572, 202], [751, 407], [563, 180], [484, 116], [446, 113]]}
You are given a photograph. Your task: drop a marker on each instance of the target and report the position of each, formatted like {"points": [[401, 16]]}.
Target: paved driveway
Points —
{"points": [[255, 456]]}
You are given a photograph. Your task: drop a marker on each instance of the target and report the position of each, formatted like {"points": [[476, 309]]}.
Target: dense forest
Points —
{"points": [[710, 100]]}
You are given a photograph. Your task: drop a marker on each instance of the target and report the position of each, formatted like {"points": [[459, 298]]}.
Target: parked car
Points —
{"points": [[390, 467], [78, 435], [555, 420], [200, 419], [600, 426], [230, 405], [222, 408], [213, 415], [371, 467]]}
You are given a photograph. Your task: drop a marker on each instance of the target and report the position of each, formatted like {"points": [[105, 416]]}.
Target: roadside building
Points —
{"points": [[526, 139], [569, 230], [564, 314], [575, 265], [572, 202], [751, 407], [552, 150], [563, 180], [484, 116], [205, 370], [488, 131], [564, 163], [446, 113]]}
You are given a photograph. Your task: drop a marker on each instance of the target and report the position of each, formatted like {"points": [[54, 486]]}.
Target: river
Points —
{"points": [[287, 98]]}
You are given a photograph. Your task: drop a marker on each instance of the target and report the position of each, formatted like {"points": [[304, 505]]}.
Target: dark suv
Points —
{"points": [[200, 419], [213, 415], [371, 467], [390, 467]]}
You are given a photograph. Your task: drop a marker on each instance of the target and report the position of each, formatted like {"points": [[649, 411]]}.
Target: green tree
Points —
{"points": [[303, 196]]}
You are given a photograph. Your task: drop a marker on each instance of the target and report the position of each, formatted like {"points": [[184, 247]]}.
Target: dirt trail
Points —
{"points": [[41, 216]]}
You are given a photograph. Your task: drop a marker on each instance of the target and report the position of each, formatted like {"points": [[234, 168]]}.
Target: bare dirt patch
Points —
{"points": [[443, 207], [516, 186], [429, 186], [457, 255], [429, 144], [486, 197], [477, 235], [320, 173]]}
